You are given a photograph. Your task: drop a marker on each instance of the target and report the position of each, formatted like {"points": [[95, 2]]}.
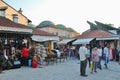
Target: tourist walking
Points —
{"points": [[100, 57], [83, 60], [89, 54], [106, 55], [95, 59]]}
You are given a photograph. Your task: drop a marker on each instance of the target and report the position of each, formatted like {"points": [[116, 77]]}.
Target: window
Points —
{"points": [[2, 13], [15, 18]]}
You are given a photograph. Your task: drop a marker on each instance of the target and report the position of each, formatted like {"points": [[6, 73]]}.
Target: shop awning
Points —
{"points": [[13, 29], [108, 38], [83, 41], [65, 41], [39, 38]]}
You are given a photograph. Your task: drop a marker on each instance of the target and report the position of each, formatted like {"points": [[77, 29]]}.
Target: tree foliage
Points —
{"points": [[112, 25]]}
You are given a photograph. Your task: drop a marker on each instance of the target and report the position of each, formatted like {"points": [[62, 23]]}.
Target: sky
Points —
{"points": [[71, 13]]}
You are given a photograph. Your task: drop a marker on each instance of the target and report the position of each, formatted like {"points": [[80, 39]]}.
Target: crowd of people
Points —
{"points": [[21, 57], [36, 55], [94, 57]]}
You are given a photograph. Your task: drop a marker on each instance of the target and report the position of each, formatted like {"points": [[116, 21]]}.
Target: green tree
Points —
{"points": [[112, 25]]}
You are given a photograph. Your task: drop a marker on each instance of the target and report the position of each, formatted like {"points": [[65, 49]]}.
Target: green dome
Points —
{"points": [[31, 25], [70, 29], [61, 26], [46, 24]]}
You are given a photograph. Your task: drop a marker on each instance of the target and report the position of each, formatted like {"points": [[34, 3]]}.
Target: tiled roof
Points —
{"points": [[8, 23], [96, 33], [42, 33]]}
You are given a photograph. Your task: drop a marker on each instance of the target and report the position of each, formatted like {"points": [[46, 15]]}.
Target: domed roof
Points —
{"points": [[61, 26], [70, 29], [31, 25], [46, 24]]}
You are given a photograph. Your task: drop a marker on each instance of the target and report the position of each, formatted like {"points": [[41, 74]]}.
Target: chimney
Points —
{"points": [[20, 11]]}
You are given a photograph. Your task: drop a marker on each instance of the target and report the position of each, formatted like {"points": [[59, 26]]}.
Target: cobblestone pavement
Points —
{"points": [[68, 70]]}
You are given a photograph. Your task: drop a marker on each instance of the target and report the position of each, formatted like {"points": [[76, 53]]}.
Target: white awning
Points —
{"points": [[65, 41], [83, 41], [44, 38], [108, 38], [15, 29]]}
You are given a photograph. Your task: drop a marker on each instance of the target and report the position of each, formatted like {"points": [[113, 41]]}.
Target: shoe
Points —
{"points": [[91, 72], [95, 71], [106, 66], [84, 75], [100, 68]]}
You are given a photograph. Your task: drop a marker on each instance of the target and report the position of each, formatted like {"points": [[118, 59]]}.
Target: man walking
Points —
{"points": [[83, 59], [100, 57], [106, 55]]}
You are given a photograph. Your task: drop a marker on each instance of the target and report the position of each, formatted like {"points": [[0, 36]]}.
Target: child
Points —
{"points": [[34, 62]]}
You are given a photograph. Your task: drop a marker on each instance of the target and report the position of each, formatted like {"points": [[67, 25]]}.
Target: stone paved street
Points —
{"points": [[68, 70]]}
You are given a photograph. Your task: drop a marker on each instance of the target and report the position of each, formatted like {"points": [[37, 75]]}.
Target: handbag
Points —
{"points": [[91, 65], [104, 56], [16, 62]]}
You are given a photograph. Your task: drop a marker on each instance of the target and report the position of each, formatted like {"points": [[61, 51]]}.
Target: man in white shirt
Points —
{"points": [[83, 59], [100, 57]]}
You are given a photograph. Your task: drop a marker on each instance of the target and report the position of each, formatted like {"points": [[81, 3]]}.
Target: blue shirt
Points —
{"points": [[106, 51], [88, 51]]}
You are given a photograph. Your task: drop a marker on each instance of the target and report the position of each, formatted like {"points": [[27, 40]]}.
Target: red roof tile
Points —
{"points": [[96, 33], [8, 23], [42, 33]]}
